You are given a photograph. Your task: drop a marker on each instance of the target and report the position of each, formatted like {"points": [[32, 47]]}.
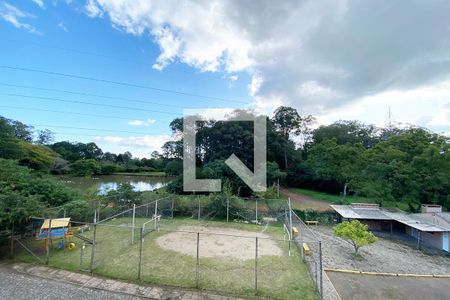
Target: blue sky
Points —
{"points": [[68, 41], [333, 59]]}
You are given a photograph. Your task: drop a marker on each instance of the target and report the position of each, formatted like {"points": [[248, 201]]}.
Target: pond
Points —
{"points": [[106, 183]]}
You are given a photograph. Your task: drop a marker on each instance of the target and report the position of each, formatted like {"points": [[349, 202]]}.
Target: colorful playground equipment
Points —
{"points": [[53, 229]]}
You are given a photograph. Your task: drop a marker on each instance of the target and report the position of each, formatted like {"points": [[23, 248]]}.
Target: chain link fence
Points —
{"points": [[194, 244]]}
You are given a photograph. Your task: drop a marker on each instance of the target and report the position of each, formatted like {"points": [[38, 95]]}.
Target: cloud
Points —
{"points": [[92, 9], [142, 145], [317, 56], [62, 26], [14, 16], [142, 122], [39, 3]]}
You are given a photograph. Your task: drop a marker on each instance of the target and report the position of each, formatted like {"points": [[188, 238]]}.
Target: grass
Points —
{"points": [[336, 199], [279, 277], [149, 174]]}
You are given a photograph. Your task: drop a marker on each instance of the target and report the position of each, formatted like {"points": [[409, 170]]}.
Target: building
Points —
{"points": [[429, 228]]}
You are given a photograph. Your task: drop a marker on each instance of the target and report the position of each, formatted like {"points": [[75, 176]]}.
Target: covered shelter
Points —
{"points": [[431, 229]]}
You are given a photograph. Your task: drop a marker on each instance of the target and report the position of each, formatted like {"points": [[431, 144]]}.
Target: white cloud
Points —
{"points": [[13, 15], [92, 9], [142, 122], [142, 145], [62, 26], [39, 3], [317, 56]]}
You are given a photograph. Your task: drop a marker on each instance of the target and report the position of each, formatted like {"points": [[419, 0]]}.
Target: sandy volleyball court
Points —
{"points": [[219, 242]]}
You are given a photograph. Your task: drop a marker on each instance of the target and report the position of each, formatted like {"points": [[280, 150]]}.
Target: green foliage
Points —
{"points": [[24, 193], [85, 167], [355, 233], [174, 167], [124, 196]]}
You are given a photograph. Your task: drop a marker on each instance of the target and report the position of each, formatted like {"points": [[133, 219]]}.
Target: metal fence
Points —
{"points": [[310, 247], [174, 242]]}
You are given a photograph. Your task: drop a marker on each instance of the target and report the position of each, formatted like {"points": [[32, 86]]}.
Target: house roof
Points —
{"points": [[56, 223], [430, 222], [361, 212]]}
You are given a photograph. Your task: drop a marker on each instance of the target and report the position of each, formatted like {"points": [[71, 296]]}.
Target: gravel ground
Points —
{"points": [[383, 256]]}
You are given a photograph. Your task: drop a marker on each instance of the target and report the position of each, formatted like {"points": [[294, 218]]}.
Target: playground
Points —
{"points": [[235, 257]]}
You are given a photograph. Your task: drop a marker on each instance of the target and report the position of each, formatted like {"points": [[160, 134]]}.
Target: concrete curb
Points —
{"points": [[115, 286], [386, 273]]}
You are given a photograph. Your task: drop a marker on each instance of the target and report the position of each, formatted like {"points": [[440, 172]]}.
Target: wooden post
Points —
{"points": [[256, 266], [197, 266], [132, 224], [47, 244]]}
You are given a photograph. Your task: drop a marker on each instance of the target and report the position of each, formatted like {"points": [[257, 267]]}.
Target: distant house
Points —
{"points": [[430, 228]]}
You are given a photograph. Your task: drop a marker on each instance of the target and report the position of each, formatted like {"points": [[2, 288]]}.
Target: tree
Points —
{"points": [[356, 233], [45, 137], [329, 161], [347, 132], [286, 120], [85, 167]]}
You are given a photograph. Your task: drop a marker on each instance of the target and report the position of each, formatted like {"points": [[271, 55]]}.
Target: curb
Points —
{"points": [[386, 273]]}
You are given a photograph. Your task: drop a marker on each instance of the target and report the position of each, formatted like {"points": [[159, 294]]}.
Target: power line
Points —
{"points": [[87, 103], [95, 54], [91, 129], [86, 94], [64, 112], [119, 83]]}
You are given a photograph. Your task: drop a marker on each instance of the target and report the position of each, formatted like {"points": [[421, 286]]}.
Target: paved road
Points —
{"points": [[17, 286], [356, 286]]}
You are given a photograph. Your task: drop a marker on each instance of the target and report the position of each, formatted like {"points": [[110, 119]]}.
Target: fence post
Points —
{"points": [[321, 271], [256, 266], [228, 208], [47, 244], [12, 241], [173, 206], [198, 218], [91, 267], [290, 216], [156, 212], [140, 253], [256, 212], [197, 266], [132, 224]]}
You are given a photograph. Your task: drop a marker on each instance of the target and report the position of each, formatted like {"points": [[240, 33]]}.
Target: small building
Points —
{"points": [[430, 228], [59, 228]]}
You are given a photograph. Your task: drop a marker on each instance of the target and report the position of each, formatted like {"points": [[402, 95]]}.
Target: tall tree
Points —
{"points": [[286, 120]]}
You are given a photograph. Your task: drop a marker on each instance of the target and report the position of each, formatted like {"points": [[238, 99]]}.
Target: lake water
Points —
{"points": [[106, 183]]}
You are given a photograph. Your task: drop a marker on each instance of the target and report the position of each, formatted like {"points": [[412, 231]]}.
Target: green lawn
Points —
{"points": [[279, 277], [336, 199]]}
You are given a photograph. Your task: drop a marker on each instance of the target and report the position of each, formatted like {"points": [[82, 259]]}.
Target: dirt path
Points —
{"points": [[304, 202]]}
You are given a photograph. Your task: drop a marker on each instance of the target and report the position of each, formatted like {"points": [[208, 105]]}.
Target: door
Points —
{"points": [[445, 241]]}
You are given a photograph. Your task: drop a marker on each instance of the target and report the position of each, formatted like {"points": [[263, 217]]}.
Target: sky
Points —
{"points": [[117, 72]]}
